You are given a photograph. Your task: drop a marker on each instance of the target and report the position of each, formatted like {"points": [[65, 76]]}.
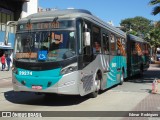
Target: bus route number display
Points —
{"points": [[45, 25]]}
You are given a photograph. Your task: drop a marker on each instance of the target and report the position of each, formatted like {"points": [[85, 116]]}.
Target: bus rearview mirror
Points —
{"points": [[87, 39]]}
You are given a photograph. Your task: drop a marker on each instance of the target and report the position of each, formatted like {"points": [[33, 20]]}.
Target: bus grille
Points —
{"points": [[87, 82]]}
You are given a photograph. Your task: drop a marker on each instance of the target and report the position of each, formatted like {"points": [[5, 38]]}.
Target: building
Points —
{"points": [[10, 12], [29, 8], [111, 23]]}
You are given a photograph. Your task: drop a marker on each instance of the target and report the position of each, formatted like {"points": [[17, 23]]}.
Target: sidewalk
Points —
{"points": [[5, 74], [152, 101], [156, 63]]}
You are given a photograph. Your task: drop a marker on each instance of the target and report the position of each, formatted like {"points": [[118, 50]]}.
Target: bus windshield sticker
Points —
{"points": [[26, 55], [42, 55], [57, 39]]}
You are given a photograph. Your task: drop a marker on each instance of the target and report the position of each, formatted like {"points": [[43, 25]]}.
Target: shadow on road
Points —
{"points": [[148, 77], [29, 98]]}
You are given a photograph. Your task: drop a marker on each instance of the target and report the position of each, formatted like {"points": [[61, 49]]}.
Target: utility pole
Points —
{"points": [[6, 33]]}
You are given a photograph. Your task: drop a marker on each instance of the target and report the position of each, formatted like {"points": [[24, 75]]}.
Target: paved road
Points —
{"points": [[133, 95]]}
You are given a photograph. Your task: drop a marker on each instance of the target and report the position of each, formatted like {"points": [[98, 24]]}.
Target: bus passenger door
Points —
{"points": [[105, 59], [112, 75]]}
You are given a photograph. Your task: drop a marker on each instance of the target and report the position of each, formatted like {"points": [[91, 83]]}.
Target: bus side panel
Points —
{"points": [[88, 73], [112, 75], [115, 66], [138, 55]]}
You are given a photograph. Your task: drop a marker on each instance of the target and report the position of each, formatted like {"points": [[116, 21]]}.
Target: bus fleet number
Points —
{"points": [[25, 73]]}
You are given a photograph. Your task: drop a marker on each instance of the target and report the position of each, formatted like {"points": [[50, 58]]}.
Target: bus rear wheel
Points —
{"points": [[122, 78], [141, 71]]}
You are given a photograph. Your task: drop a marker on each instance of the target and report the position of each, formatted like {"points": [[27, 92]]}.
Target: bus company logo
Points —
{"points": [[6, 114], [114, 64]]}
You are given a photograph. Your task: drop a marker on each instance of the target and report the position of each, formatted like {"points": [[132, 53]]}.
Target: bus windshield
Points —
{"points": [[56, 45]]}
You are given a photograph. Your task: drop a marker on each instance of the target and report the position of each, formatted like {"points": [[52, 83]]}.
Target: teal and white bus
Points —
{"points": [[138, 55], [69, 52]]}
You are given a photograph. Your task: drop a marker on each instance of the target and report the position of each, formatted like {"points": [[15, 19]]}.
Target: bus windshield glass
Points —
{"points": [[45, 46]]}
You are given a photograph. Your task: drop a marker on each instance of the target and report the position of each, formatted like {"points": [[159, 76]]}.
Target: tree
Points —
{"points": [[138, 26], [155, 36], [156, 9]]}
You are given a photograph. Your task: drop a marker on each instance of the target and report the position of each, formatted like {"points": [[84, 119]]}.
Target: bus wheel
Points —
{"points": [[141, 71], [122, 78], [97, 85]]}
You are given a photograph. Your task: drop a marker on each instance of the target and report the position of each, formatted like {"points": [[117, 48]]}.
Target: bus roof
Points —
{"points": [[135, 38], [58, 13], [71, 14]]}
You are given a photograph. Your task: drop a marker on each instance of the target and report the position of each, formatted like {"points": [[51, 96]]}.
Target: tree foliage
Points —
{"points": [[144, 28], [138, 26], [156, 9], [154, 35]]}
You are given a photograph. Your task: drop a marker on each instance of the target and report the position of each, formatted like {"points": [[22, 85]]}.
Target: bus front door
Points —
{"points": [[105, 61]]}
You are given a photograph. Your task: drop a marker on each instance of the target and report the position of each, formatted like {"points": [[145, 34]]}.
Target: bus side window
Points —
{"points": [[112, 44], [106, 44], [119, 46], [123, 46]]}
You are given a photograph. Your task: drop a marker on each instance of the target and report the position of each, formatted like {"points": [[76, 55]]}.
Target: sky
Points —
{"points": [[107, 10]]}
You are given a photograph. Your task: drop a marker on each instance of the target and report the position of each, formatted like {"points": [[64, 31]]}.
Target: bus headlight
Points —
{"points": [[70, 68]]}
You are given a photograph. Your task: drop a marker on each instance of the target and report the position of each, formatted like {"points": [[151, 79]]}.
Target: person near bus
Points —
{"points": [[8, 60], [3, 62]]}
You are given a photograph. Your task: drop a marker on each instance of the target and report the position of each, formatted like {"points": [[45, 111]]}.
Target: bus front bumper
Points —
{"points": [[67, 85]]}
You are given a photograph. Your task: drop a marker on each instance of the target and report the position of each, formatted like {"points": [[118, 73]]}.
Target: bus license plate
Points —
{"points": [[37, 87]]}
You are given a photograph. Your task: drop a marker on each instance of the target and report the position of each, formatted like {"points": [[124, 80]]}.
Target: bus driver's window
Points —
{"points": [[96, 39], [96, 47]]}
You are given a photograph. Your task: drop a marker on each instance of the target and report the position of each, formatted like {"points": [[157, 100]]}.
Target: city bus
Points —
{"points": [[70, 52], [138, 55]]}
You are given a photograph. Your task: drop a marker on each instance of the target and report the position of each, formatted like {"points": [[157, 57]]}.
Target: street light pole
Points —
{"points": [[6, 33]]}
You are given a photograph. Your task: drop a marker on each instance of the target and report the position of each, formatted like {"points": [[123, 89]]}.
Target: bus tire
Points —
{"points": [[141, 71], [93, 94], [122, 78], [97, 84]]}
